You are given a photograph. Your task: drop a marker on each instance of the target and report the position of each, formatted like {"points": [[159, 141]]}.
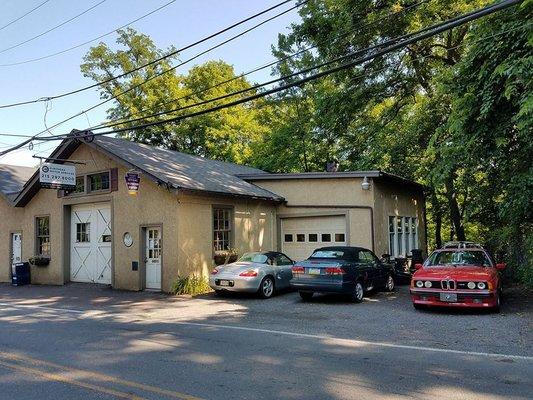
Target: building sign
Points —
{"points": [[133, 180], [57, 176]]}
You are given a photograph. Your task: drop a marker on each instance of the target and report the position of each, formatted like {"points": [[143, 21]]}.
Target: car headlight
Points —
{"points": [[481, 285], [471, 285], [427, 284], [419, 284]]}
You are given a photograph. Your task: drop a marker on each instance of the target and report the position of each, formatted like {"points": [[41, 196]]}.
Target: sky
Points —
{"points": [[181, 23]]}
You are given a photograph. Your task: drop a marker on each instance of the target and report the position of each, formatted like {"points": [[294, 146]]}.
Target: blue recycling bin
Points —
{"points": [[20, 274]]}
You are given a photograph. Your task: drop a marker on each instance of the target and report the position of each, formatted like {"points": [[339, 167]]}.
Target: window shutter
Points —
{"points": [[113, 179], [60, 193]]}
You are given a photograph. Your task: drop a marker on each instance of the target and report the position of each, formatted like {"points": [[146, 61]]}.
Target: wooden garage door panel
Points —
{"points": [[301, 236], [90, 261]]}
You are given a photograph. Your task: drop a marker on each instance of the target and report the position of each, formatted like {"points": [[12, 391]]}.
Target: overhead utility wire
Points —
{"points": [[84, 43], [53, 28], [168, 70], [23, 15], [363, 75], [362, 26], [432, 31], [278, 61], [155, 61]]}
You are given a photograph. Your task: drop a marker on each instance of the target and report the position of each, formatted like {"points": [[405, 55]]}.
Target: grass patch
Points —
{"points": [[191, 284]]}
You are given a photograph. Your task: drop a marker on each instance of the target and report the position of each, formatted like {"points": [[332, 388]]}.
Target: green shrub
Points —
{"points": [[191, 284]]}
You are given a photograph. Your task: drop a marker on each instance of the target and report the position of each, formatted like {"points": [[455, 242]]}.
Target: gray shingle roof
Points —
{"points": [[13, 178], [184, 171]]}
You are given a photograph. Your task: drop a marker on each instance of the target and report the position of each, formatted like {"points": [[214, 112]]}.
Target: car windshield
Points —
{"points": [[328, 254], [259, 258], [458, 258]]}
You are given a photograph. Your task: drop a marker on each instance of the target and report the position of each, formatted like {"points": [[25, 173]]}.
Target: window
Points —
{"points": [[288, 237], [222, 229], [340, 237], [80, 185], [83, 231], [281, 259], [98, 181], [313, 237], [403, 235], [43, 236], [326, 237], [366, 256], [300, 237]]}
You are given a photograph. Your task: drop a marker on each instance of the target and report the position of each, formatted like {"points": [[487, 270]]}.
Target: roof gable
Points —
{"points": [[176, 170]]}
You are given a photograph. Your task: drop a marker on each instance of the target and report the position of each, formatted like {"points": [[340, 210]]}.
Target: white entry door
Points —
{"points": [[153, 258], [16, 248], [90, 256]]}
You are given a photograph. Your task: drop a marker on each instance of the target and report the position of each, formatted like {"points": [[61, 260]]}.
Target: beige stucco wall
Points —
{"points": [[396, 200], [312, 197], [254, 230], [186, 221]]}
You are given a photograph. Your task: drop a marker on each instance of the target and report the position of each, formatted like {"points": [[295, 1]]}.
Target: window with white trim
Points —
{"points": [[222, 229], [403, 235], [42, 236]]}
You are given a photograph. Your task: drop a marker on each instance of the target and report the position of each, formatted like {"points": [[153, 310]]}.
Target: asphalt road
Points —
{"points": [[89, 342]]}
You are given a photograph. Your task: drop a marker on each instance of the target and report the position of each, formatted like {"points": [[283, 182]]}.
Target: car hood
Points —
{"points": [[238, 267], [457, 273]]}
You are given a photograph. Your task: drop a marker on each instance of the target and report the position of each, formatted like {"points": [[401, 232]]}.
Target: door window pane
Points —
{"points": [[300, 237], [83, 231], [340, 237], [288, 238], [313, 237], [326, 237]]}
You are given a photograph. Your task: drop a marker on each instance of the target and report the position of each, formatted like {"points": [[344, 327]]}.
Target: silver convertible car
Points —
{"points": [[261, 272]]}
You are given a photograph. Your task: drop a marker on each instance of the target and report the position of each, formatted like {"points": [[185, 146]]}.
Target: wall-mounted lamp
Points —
{"points": [[365, 184]]}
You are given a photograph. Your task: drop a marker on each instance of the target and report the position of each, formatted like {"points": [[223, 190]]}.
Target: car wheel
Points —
{"points": [[306, 296], [266, 289], [358, 293], [389, 286]]}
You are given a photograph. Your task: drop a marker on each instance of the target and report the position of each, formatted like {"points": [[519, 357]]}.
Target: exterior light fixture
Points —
{"points": [[366, 184]]}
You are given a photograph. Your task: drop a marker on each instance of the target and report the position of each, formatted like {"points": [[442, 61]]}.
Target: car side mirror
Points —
{"points": [[418, 266], [501, 266]]}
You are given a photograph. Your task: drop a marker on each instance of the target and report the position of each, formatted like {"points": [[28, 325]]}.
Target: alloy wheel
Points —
{"points": [[267, 287]]}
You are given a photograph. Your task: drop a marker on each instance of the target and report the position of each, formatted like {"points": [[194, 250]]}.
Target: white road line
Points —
{"points": [[351, 342]]}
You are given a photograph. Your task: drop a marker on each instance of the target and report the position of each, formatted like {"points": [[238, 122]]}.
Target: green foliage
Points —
{"points": [[227, 135], [192, 285]]}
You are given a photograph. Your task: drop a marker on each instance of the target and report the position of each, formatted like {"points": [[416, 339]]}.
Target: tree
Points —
{"points": [[226, 135]]}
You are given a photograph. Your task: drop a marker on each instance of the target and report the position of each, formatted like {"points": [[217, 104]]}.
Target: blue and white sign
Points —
{"points": [[57, 176]]}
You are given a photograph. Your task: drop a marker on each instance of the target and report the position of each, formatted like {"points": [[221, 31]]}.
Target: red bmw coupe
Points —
{"points": [[461, 274]]}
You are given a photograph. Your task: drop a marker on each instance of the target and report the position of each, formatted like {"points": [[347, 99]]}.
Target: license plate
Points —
{"points": [[448, 297], [224, 282], [314, 271]]}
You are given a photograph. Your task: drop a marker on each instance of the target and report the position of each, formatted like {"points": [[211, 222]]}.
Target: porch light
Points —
{"points": [[366, 184]]}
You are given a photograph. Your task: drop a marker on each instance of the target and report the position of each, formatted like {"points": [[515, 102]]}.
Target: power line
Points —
{"points": [[176, 66], [24, 15], [363, 75], [53, 28], [405, 9], [427, 32], [84, 43], [155, 61]]}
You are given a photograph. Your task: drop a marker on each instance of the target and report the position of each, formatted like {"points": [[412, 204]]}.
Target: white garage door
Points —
{"points": [[300, 236], [90, 256]]}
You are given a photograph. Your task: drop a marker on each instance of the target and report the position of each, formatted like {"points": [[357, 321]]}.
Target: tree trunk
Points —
{"points": [[438, 229], [455, 213]]}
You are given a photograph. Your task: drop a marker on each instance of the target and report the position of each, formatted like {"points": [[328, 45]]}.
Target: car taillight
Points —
{"points": [[248, 273], [214, 272], [334, 271], [297, 269]]}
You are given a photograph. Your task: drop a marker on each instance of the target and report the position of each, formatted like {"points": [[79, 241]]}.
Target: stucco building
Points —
{"points": [[186, 209]]}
